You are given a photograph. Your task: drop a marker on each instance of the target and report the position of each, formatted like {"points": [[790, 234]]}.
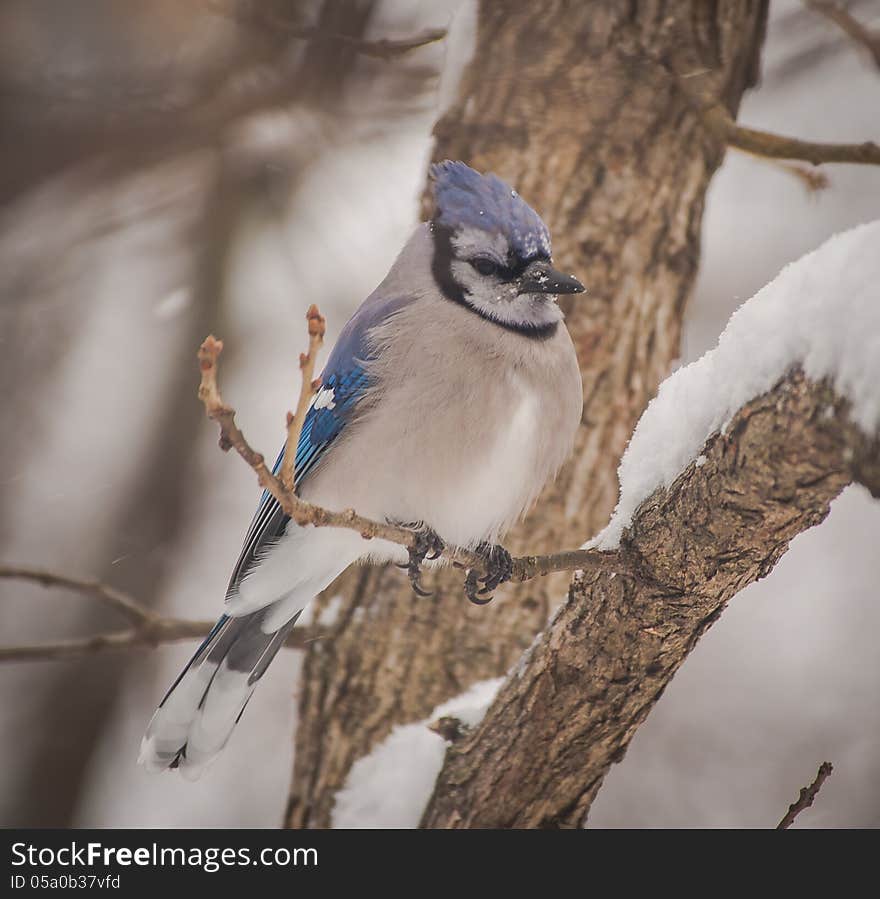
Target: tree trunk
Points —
{"points": [[594, 676], [575, 106]]}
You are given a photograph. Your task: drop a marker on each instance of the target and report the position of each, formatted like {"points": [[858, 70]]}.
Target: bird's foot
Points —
{"points": [[499, 568], [427, 545]]}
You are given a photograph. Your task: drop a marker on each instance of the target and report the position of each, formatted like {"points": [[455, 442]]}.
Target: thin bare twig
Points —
{"points": [[806, 797], [305, 513], [384, 48], [308, 388], [148, 628], [130, 608], [776, 146], [814, 180], [726, 130], [841, 17], [165, 630]]}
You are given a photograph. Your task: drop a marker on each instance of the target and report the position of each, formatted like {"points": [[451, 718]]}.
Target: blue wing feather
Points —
{"points": [[324, 422], [343, 384]]}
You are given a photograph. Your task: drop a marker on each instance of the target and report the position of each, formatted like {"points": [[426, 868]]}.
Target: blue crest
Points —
{"points": [[467, 199]]}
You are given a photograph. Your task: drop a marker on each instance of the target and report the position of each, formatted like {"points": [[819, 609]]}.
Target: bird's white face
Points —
{"points": [[495, 284]]}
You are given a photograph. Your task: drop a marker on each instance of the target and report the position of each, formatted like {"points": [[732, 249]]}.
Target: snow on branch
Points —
{"points": [[390, 786], [739, 453], [821, 313]]}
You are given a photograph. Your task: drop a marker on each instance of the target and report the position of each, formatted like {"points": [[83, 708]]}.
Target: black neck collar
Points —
{"points": [[441, 267]]}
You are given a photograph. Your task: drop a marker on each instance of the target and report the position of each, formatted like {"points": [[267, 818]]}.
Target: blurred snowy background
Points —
{"points": [[109, 470]]}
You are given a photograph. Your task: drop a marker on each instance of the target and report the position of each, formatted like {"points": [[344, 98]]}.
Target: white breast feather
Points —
{"points": [[496, 488]]}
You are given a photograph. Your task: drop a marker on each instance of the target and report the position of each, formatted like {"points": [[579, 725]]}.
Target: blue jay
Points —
{"points": [[450, 398]]}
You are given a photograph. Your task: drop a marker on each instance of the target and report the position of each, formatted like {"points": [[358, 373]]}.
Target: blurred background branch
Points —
{"points": [[867, 38], [252, 14], [147, 628], [776, 146], [119, 112]]}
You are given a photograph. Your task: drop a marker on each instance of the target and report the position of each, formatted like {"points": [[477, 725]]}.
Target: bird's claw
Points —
{"points": [[478, 588], [427, 545], [472, 589], [499, 568]]}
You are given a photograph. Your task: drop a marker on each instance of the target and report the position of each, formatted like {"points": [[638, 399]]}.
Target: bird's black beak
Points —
{"points": [[541, 277]]}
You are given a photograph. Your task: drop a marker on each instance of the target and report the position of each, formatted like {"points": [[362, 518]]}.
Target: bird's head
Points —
{"points": [[492, 251]]}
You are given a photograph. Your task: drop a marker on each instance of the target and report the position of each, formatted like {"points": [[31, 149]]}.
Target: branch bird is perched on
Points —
{"points": [[451, 397]]}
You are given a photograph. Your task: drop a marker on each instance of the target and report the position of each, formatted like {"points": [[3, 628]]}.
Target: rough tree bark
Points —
{"points": [[592, 678], [573, 104]]}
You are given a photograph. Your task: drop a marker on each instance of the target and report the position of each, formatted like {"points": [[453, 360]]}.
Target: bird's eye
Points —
{"points": [[484, 266]]}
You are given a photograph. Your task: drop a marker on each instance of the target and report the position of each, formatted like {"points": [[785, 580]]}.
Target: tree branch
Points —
{"points": [[148, 628], [806, 797], [813, 180], [317, 328], [136, 613], [775, 146], [305, 513], [598, 670], [384, 48], [721, 124], [868, 39]]}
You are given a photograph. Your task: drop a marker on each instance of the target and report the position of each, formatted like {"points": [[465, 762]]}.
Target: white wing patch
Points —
{"points": [[326, 399]]}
